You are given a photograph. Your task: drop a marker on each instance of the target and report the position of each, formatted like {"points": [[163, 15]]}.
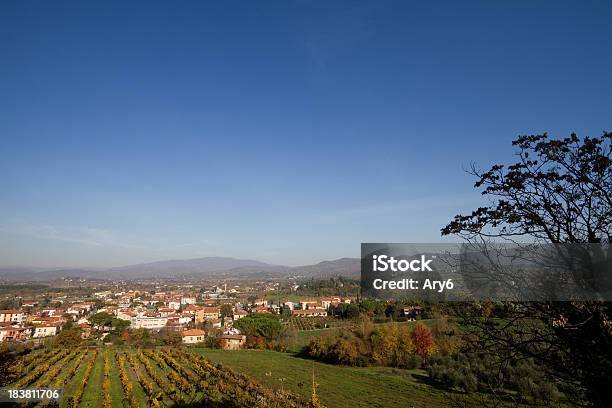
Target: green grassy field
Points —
{"points": [[303, 337], [338, 386]]}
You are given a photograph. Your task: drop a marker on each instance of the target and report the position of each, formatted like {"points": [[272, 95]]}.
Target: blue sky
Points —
{"points": [[288, 132]]}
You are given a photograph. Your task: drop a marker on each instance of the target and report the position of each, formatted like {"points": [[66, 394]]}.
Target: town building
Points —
{"points": [[45, 331], [15, 333], [193, 336], [11, 316], [188, 300], [239, 314], [261, 310], [151, 323], [232, 341], [309, 304], [206, 313], [309, 313], [260, 302]]}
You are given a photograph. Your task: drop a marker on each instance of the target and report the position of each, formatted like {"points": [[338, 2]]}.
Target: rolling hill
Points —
{"points": [[199, 267]]}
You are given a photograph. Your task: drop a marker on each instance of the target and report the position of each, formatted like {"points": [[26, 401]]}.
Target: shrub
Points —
{"points": [[255, 342], [473, 372], [392, 345], [412, 361], [212, 342], [423, 340], [347, 350]]}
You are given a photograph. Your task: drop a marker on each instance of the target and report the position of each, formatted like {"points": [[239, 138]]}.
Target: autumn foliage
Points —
{"points": [[423, 341], [391, 345]]}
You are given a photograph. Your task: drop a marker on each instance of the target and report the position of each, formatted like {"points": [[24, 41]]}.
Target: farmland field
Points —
{"points": [[315, 323], [117, 377], [127, 377], [338, 386]]}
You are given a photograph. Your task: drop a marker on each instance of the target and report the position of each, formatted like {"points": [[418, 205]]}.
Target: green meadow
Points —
{"points": [[337, 386]]}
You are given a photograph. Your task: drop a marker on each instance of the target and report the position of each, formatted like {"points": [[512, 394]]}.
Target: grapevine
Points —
{"points": [[78, 394], [125, 381], [106, 395], [153, 398]]}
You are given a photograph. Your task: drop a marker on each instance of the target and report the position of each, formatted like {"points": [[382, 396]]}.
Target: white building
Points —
{"points": [[11, 316], [312, 312], [45, 331], [103, 295], [239, 314], [152, 323], [49, 311], [185, 318], [309, 304], [188, 300]]}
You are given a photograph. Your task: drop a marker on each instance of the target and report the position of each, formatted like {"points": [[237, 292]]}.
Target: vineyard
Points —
{"points": [[117, 377], [315, 323]]}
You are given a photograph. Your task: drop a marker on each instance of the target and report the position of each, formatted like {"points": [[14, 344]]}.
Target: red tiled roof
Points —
{"points": [[193, 332], [210, 309]]}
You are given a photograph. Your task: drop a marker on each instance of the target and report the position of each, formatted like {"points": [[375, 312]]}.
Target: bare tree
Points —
{"points": [[557, 192]]}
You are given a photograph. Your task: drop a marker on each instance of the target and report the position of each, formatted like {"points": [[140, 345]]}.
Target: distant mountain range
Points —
{"points": [[218, 267]]}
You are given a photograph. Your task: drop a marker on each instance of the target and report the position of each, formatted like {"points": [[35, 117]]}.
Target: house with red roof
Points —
{"points": [[193, 336]]}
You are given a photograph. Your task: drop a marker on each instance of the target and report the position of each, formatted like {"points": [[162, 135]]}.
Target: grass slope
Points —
{"points": [[338, 387], [115, 383], [92, 396]]}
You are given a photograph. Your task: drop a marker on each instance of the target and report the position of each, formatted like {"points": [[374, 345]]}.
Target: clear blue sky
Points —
{"points": [[287, 132]]}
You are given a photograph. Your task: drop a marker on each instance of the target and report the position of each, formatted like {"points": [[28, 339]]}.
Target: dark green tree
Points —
{"points": [[226, 310], [119, 324], [68, 338], [260, 325], [101, 320]]}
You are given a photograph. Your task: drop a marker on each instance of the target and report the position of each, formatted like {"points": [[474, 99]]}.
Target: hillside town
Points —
{"points": [[194, 313]]}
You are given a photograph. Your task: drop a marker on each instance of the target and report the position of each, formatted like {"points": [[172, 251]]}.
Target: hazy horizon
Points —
{"points": [[52, 267]]}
